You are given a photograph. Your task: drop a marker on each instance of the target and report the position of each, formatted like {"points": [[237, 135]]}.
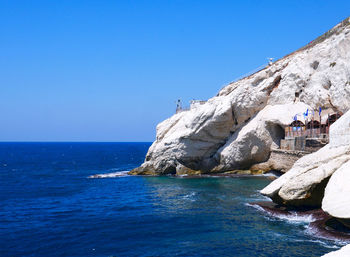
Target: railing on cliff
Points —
{"points": [[292, 132], [193, 104]]}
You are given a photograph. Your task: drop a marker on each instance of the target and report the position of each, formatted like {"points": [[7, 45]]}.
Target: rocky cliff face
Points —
{"points": [[238, 127]]}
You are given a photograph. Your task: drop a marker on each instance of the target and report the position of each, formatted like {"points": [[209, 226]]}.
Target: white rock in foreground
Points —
{"points": [[336, 199], [304, 183], [342, 252]]}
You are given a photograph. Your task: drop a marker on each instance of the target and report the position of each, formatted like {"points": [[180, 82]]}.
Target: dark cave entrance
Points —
{"points": [[277, 134]]}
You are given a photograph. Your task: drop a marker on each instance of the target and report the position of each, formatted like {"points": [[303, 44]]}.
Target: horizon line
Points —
{"points": [[76, 142]]}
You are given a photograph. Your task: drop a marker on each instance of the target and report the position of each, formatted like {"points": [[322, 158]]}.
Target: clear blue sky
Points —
{"points": [[111, 70]]}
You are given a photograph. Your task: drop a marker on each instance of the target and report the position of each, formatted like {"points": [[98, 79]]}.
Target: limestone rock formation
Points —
{"points": [[304, 184], [342, 252], [238, 127], [336, 200], [253, 142], [190, 138]]}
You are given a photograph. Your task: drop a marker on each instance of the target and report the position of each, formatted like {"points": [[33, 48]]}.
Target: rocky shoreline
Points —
{"points": [[239, 132]]}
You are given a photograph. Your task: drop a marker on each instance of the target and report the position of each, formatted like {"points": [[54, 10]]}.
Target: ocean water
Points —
{"points": [[50, 207]]}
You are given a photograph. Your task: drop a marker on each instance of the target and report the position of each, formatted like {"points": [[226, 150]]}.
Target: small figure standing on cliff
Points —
{"points": [[178, 106]]}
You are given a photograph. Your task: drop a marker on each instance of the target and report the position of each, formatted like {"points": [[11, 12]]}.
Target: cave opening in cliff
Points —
{"points": [[277, 134]]}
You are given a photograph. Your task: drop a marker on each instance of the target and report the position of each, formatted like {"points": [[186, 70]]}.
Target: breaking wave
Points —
{"points": [[116, 174], [190, 196], [291, 217]]}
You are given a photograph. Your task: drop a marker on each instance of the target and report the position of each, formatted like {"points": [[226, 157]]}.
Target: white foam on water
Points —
{"points": [[257, 196], [293, 217], [328, 243], [258, 207], [268, 174], [190, 196], [267, 215], [296, 218], [123, 173]]}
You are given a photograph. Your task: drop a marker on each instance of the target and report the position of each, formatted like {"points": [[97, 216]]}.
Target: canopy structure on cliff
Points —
{"points": [[297, 123], [313, 124], [327, 116], [315, 127]]}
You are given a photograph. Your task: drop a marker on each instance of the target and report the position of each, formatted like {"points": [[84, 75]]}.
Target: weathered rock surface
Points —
{"points": [[304, 184], [342, 252], [238, 127], [190, 138], [253, 143], [336, 201]]}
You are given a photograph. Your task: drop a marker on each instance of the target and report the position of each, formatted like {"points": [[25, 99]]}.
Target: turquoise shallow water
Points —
{"points": [[49, 207]]}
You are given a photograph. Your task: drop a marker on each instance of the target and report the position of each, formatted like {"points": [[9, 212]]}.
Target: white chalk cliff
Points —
{"points": [[239, 127]]}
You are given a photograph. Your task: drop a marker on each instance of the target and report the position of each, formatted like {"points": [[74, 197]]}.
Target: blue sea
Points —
{"points": [[50, 207]]}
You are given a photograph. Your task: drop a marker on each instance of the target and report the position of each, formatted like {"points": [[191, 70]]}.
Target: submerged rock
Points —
{"points": [[238, 128]]}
